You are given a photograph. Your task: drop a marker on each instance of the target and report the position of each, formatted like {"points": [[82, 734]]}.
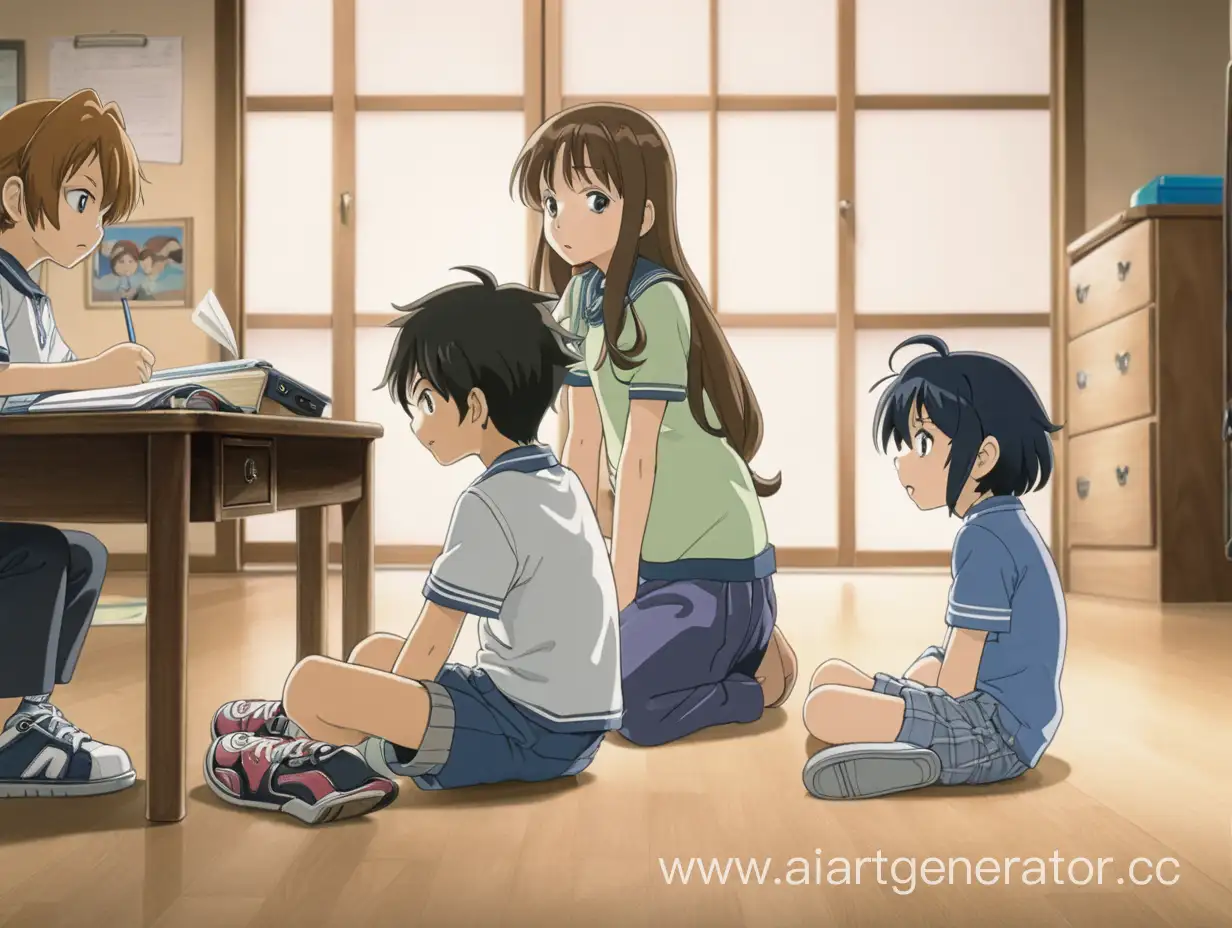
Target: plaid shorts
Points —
{"points": [[966, 733]]}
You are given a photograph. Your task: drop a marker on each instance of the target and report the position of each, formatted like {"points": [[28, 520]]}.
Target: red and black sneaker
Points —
{"points": [[254, 716], [312, 781]]}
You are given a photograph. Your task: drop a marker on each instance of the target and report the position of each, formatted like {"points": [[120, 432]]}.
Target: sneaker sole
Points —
{"points": [[331, 809], [861, 771], [46, 789]]}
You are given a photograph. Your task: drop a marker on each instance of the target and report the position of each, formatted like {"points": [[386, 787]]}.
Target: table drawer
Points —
{"points": [[246, 476], [1112, 374], [1111, 503], [1113, 280]]}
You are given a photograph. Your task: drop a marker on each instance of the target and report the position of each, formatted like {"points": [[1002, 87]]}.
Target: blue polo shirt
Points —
{"points": [[1006, 584]]}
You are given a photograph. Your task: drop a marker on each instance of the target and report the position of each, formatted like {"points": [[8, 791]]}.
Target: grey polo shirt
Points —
{"points": [[525, 554]]}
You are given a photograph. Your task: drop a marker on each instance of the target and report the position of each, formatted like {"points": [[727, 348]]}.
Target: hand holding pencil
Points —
{"points": [[122, 365]]}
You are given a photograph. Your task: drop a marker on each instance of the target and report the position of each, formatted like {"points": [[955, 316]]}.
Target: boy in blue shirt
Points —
{"points": [[985, 705]]}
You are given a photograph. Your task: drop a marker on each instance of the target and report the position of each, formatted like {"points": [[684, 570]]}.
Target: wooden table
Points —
{"points": [[167, 469]]}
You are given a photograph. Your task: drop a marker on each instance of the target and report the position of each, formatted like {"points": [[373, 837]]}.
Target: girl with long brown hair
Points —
{"points": [[660, 387]]}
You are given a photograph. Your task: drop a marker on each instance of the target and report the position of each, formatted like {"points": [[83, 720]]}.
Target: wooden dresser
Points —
{"points": [[1143, 393]]}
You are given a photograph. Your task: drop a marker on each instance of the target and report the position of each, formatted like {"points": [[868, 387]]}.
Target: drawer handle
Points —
{"points": [[1122, 362], [1081, 292], [1082, 380], [1123, 269], [1084, 487], [250, 470], [1122, 473]]}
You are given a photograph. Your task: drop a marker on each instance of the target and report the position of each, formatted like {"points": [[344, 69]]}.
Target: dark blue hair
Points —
{"points": [[969, 396]]}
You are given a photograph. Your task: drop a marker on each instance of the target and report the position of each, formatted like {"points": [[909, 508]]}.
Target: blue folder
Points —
{"points": [[1179, 188]]}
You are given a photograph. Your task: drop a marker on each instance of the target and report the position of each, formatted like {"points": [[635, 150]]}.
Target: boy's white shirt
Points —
{"points": [[20, 317]]}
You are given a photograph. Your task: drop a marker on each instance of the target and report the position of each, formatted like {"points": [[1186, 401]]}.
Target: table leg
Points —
{"points": [[166, 639], [311, 583], [357, 562]]}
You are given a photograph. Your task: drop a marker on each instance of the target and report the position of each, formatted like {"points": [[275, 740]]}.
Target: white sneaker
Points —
{"points": [[43, 754]]}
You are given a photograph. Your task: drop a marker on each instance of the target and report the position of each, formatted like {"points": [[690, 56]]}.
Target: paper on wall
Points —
{"points": [[146, 82], [9, 78], [210, 319]]}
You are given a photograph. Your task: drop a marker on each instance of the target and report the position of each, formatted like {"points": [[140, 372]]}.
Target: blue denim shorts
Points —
{"points": [[477, 735]]}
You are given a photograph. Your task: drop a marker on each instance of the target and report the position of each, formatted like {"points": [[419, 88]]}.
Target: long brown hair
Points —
{"points": [[627, 152]]}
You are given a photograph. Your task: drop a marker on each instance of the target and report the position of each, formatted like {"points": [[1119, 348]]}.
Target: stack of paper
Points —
{"points": [[210, 319]]}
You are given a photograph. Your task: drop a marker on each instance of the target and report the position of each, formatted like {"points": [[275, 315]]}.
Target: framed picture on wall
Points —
{"points": [[12, 74], [147, 262]]}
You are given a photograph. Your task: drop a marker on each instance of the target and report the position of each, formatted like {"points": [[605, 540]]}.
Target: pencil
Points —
{"points": [[128, 320]]}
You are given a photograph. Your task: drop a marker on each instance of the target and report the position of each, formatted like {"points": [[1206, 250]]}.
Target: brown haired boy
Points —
{"points": [[67, 168]]}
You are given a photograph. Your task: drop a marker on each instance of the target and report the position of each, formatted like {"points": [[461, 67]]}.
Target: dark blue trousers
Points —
{"points": [[689, 650], [50, 581]]}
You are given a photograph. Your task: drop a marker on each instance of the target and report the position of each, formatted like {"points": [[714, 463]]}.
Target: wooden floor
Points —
{"points": [[1140, 769]]}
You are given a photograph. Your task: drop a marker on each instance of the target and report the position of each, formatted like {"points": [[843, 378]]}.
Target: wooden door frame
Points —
{"points": [[228, 242], [1068, 224], [543, 87], [229, 210], [845, 322], [343, 321]]}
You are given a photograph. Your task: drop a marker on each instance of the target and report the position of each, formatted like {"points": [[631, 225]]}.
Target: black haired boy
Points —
{"points": [[972, 436], [475, 366]]}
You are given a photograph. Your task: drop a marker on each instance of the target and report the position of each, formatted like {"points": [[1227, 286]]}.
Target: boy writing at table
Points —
{"points": [[67, 169]]}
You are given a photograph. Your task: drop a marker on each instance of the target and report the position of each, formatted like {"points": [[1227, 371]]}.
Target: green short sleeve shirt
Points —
{"points": [[705, 519]]}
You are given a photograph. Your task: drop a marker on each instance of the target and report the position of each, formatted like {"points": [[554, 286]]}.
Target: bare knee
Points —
{"points": [[305, 682], [378, 651], [925, 671], [820, 705], [833, 671]]}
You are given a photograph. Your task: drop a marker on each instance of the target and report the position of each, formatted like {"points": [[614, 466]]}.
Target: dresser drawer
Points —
{"points": [[1121, 573], [1113, 280], [1111, 473], [247, 477], [1112, 374]]}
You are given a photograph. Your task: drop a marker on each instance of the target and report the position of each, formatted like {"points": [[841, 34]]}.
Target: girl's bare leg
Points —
{"points": [[778, 670]]}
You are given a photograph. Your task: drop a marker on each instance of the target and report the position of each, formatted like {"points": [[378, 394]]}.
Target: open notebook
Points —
{"points": [[243, 385], [231, 391], [250, 386]]}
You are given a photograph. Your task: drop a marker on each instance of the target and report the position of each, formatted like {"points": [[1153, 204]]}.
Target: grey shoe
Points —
{"points": [[865, 771]]}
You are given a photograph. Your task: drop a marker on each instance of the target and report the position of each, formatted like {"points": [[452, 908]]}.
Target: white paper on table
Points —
{"points": [[210, 319], [146, 82]]}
